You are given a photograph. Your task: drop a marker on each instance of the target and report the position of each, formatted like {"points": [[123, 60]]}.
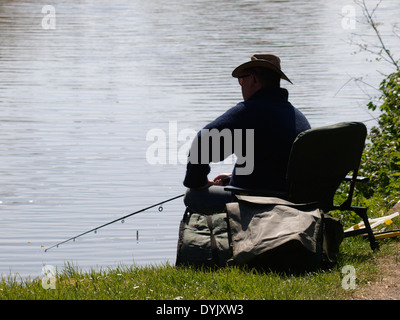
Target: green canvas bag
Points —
{"points": [[275, 234], [204, 240], [261, 232]]}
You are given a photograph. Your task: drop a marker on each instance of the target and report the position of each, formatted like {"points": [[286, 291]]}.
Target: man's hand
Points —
{"points": [[222, 179], [207, 185]]}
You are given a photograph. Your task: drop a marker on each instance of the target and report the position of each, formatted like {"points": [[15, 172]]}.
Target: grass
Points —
{"points": [[169, 283], [165, 282]]}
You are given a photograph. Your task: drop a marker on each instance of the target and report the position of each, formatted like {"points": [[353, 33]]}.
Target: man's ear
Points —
{"points": [[255, 81]]}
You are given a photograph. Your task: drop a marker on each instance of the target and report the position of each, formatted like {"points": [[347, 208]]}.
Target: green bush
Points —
{"points": [[381, 159]]}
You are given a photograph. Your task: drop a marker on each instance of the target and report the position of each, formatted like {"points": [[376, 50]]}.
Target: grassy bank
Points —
{"points": [[170, 283]]}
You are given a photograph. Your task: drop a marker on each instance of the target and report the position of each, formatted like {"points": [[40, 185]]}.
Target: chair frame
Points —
{"points": [[327, 206]]}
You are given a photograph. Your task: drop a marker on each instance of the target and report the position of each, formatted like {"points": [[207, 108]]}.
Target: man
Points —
{"points": [[265, 113]]}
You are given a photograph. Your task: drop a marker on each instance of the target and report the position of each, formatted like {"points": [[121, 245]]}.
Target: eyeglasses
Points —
{"points": [[240, 79]]}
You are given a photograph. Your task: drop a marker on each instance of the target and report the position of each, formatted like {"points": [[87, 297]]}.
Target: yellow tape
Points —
{"points": [[387, 235], [388, 221]]}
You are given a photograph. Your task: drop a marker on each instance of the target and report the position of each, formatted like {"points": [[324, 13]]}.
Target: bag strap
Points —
{"points": [[273, 200], [214, 248], [180, 236]]}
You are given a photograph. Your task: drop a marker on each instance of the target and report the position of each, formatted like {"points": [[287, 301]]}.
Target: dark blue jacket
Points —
{"points": [[276, 124]]}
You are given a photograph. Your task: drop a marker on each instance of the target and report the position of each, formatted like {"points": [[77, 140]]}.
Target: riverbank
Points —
{"points": [[359, 274], [386, 284], [169, 283]]}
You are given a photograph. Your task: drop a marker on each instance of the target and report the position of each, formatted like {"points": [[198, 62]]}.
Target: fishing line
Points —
{"points": [[160, 208]]}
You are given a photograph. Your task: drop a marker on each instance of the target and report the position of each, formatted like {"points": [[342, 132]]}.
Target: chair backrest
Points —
{"points": [[320, 160]]}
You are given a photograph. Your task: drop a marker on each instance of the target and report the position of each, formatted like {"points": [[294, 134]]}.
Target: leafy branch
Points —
{"points": [[383, 51]]}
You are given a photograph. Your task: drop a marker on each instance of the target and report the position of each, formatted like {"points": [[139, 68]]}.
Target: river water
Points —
{"points": [[85, 86]]}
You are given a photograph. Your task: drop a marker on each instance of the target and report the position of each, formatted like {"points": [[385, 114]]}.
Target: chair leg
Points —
{"points": [[362, 212]]}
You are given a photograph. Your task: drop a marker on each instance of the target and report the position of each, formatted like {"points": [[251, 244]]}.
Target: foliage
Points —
{"points": [[381, 159]]}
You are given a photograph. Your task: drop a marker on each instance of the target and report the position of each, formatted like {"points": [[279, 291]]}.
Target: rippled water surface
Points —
{"points": [[77, 103]]}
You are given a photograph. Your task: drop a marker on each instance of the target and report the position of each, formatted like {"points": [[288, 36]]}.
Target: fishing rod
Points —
{"points": [[119, 219]]}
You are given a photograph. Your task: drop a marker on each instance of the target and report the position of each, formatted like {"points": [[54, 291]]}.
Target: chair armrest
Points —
{"points": [[236, 189], [254, 192]]}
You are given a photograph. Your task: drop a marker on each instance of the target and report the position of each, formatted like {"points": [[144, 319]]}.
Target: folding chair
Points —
{"points": [[320, 160]]}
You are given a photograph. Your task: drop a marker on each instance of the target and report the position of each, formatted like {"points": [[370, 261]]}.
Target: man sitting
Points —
{"points": [[265, 125]]}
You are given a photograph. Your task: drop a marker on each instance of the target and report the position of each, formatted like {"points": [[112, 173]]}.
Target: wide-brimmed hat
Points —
{"points": [[269, 61]]}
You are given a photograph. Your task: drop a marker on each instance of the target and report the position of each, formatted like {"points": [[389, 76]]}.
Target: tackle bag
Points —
{"points": [[275, 234], [204, 240], [261, 232]]}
